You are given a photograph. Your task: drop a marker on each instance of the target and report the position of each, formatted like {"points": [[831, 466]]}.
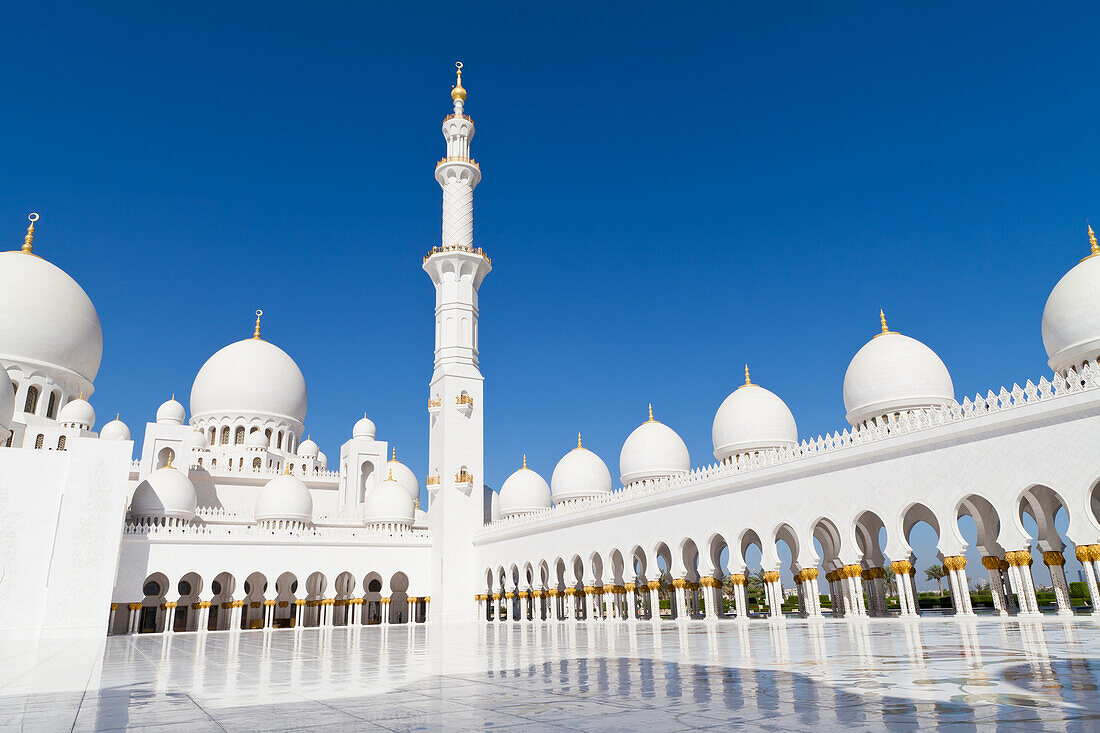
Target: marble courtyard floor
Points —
{"points": [[876, 674]]}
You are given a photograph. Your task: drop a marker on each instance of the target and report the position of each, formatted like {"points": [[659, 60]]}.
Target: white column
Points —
{"points": [[631, 602], [111, 620], [1087, 554], [903, 577], [1020, 572], [960, 587], [1055, 563], [992, 565]]}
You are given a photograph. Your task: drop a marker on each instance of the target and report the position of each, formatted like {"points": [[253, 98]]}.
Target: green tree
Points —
{"points": [[936, 573], [891, 582]]}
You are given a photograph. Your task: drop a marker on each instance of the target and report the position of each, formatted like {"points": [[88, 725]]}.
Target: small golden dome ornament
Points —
{"points": [[28, 240], [882, 321], [1092, 242], [256, 333], [458, 94]]}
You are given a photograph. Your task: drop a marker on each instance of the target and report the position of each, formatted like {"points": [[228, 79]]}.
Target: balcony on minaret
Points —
{"points": [[434, 404], [465, 404], [433, 482], [464, 480], [457, 248]]}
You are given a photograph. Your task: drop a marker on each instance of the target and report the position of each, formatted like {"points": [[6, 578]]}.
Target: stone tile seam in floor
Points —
{"points": [[63, 648]]}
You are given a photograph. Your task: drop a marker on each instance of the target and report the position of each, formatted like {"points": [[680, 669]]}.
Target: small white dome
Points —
{"points": [[750, 419], [1071, 318], [166, 492], [308, 449], [115, 430], [403, 475], [250, 377], [256, 439], [524, 492], [284, 498], [77, 412], [363, 429], [653, 450], [389, 503], [171, 413], [322, 459], [198, 440], [7, 404], [579, 474], [894, 373], [46, 318]]}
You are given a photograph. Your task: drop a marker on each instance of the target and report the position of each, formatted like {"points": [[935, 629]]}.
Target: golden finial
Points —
{"points": [[651, 413], [416, 504], [28, 241], [118, 415], [394, 458], [256, 333], [169, 464], [457, 92], [525, 460], [173, 396], [579, 441], [286, 469], [389, 475], [882, 320], [1092, 242], [81, 395]]}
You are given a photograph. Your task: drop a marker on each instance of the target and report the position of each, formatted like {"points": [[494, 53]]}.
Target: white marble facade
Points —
{"points": [[232, 517]]}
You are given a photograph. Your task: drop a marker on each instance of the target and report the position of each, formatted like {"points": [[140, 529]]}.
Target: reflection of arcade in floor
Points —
{"points": [[379, 603]]}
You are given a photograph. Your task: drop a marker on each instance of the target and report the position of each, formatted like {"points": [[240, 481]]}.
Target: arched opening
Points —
{"points": [[32, 400], [1045, 516], [238, 435], [316, 584], [61, 443], [257, 463], [51, 406], [786, 548], [366, 480], [399, 599], [663, 560], [345, 591], [752, 552], [879, 578], [165, 456], [692, 598], [286, 602], [254, 612], [372, 599], [154, 591], [223, 586], [185, 617], [921, 530], [225, 435]]}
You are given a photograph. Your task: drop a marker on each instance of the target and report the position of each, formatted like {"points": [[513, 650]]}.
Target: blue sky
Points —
{"points": [[665, 197]]}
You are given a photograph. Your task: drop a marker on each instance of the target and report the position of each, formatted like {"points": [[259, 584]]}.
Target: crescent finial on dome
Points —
{"points": [[458, 94], [28, 240], [256, 333]]}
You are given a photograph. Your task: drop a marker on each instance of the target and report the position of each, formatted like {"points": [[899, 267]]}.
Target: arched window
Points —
{"points": [[268, 434], [39, 441], [238, 437], [61, 443], [52, 405], [253, 430], [279, 442], [32, 400], [10, 436], [213, 436], [291, 468], [257, 463], [225, 435], [213, 463], [200, 460]]}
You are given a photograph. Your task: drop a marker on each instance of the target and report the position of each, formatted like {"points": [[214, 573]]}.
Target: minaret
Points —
{"points": [[456, 465]]}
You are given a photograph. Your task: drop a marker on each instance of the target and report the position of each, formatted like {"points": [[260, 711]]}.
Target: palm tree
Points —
{"points": [[936, 573], [891, 582]]}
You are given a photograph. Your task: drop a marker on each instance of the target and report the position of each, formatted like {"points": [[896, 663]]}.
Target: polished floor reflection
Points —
{"points": [[875, 674]]}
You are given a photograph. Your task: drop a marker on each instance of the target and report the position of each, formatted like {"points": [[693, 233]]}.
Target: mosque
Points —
{"points": [[233, 518]]}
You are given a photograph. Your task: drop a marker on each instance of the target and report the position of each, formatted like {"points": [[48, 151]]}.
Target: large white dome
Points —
{"points": [[579, 474], [750, 419], [166, 492], [404, 476], [653, 450], [1071, 318], [389, 503], [524, 492], [47, 320], [250, 377], [894, 373], [284, 498], [7, 404]]}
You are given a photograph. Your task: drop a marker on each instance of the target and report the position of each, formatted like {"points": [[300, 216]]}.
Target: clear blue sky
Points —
{"points": [[665, 197]]}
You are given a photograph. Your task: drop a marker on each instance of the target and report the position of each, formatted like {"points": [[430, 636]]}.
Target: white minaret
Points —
{"points": [[456, 454]]}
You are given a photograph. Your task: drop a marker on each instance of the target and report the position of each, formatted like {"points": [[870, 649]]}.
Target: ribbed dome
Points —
{"points": [[284, 498], [523, 492], [579, 474], [653, 450], [308, 449], [389, 503], [894, 373], [1071, 318], [404, 476], [171, 413], [115, 430], [166, 492], [46, 318], [363, 429], [751, 419], [77, 412], [250, 377], [256, 439]]}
